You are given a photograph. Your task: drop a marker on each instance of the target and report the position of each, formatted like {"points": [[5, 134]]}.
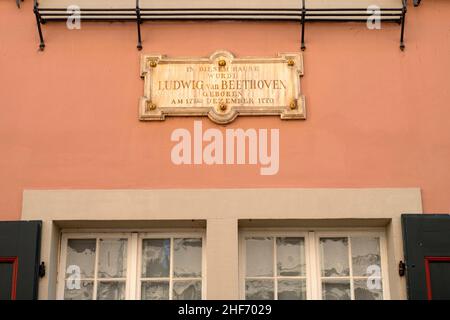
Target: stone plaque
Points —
{"points": [[222, 87]]}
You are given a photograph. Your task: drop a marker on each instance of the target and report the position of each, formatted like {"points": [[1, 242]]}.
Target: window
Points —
{"points": [[118, 266], [275, 268], [313, 265], [171, 268]]}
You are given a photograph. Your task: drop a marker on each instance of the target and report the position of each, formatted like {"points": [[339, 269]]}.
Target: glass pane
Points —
{"points": [[259, 290], [370, 289], [290, 257], [334, 257], [80, 258], [366, 256], [111, 290], [291, 290], [155, 258], [187, 290], [187, 257], [155, 290], [80, 290], [336, 290], [259, 257], [112, 258]]}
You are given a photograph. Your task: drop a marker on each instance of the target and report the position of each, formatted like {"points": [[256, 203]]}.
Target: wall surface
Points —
{"points": [[377, 117]]}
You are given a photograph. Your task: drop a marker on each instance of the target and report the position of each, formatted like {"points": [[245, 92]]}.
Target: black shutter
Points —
{"points": [[20, 243], [427, 253]]}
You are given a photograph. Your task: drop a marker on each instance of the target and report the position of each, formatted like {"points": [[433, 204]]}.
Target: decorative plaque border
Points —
{"points": [[222, 113]]}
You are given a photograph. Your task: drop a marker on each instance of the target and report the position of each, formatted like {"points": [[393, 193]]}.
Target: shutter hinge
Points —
{"points": [[401, 268], [42, 269]]}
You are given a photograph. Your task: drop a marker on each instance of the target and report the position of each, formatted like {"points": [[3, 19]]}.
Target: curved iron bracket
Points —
{"points": [[38, 22]]}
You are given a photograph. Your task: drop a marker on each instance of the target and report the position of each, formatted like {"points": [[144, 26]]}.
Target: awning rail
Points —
{"points": [[301, 14]]}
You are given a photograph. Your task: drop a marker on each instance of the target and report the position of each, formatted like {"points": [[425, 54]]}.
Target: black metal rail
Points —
{"points": [[139, 15]]}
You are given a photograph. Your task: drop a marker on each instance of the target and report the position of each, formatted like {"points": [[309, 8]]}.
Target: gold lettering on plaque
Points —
{"points": [[222, 87]]}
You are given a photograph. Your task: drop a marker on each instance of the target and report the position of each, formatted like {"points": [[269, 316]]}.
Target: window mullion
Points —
{"points": [[350, 264], [133, 264], [203, 269], [384, 267], [316, 280], [97, 249], [275, 273], [171, 269]]}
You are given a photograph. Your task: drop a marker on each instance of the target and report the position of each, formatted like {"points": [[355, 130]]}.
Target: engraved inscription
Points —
{"points": [[222, 87]]}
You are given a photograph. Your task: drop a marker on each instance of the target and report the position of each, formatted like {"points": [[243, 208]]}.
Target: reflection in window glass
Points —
{"points": [[334, 257], [81, 281], [336, 290], [259, 254], [259, 290], [155, 258], [111, 290], [365, 255], [171, 269], [112, 258], [83, 291], [187, 290], [291, 290], [187, 258], [275, 268], [290, 257], [81, 255], [155, 290], [365, 290], [362, 279]]}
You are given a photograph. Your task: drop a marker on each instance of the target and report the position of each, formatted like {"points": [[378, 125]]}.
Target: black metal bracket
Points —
{"points": [[303, 47], [402, 33], [138, 21], [38, 22]]}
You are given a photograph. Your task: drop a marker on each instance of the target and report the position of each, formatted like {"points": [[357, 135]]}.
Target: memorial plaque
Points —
{"points": [[222, 87]]}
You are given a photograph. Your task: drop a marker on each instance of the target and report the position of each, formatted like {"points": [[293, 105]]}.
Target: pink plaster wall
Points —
{"points": [[377, 117]]}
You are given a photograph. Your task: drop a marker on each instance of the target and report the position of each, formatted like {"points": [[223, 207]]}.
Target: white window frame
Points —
{"points": [[312, 255], [132, 280]]}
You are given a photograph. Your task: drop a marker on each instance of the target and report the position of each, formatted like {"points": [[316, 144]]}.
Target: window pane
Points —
{"points": [[259, 290], [78, 290], [334, 257], [370, 289], [336, 290], [187, 257], [155, 290], [111, 290], [291, 290], [80, 257], [290, 257], [112, 259], [259, 257], [187, 290], [366, 256], [155, 258]]}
